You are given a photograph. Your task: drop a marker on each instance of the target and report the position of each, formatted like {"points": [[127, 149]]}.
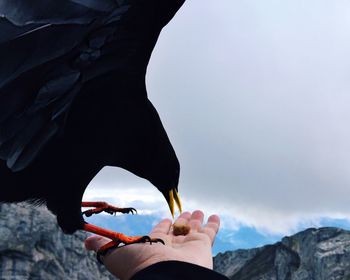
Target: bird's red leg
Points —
{"points": [[100, 206], [117, 238]]}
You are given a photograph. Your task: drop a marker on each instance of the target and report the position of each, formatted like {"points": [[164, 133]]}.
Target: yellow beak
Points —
{"points": [[172, 199]]}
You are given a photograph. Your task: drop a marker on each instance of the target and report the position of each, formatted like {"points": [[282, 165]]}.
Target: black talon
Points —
{"points": [[130, 210], [87, 213], [98, 257], [160, 240], [100, 253], [146, 238]]}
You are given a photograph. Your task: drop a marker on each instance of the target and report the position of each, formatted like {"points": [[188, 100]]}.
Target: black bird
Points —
{"points": [[73, 99]]}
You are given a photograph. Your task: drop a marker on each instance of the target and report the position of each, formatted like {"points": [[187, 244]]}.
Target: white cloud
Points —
{"points": [[138, 193]]}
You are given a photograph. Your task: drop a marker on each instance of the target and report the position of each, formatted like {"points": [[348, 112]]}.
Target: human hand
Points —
{"points": [[194, 248]]}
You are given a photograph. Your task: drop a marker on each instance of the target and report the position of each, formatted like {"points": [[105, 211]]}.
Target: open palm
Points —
{"points": [[195, 247]]}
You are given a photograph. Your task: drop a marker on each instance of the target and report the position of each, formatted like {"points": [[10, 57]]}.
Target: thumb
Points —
{"points": [[93, 243]]}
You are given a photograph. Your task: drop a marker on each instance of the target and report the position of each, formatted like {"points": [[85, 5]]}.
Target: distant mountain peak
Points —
{"points": [[315, 253]]}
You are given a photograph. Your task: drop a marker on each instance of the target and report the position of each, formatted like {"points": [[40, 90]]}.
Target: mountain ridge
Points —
{"points": [[32, 246], [312, 254]]}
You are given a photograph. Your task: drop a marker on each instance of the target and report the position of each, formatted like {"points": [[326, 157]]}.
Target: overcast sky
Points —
{"points": [[255, 97]]}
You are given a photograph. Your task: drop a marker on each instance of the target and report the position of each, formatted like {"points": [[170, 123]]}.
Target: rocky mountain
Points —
{"points": [[33, 247], [313, 254]]}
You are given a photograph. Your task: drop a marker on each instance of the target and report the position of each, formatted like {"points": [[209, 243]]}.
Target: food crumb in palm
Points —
{"points": [[181, 228]]}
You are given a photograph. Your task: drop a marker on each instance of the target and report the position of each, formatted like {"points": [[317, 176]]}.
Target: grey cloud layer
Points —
{"points": [[255, 96]]}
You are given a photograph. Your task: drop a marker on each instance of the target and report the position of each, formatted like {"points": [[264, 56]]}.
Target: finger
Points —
{"points": [[196, 220], [212, 227], [214, 223], [162, 227], [184, 218], [94, 243]]}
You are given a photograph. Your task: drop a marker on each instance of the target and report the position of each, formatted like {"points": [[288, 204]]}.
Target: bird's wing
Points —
{"points": [[48, 49]]}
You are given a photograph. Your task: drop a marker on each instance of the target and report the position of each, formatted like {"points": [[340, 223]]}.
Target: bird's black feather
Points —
{"points": [[73, 98]]}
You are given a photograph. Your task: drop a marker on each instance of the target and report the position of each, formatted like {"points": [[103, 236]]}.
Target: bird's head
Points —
{"points": [[164, 173], [145, 150]]}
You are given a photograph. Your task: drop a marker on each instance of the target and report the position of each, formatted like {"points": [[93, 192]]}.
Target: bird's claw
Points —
{"points": [[110, 210], [115, 244]]}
